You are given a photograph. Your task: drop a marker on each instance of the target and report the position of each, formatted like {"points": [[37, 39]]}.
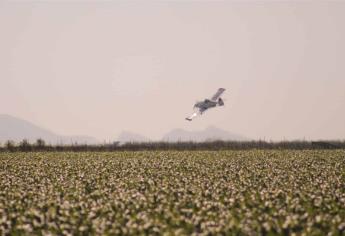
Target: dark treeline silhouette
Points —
{"points": [[40, 145]]}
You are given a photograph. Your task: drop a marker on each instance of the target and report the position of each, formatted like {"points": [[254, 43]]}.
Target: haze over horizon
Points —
{"points": [[100, 68]]}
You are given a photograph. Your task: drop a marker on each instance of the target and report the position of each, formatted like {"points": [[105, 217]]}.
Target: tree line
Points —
{"points": [[41, 145]]}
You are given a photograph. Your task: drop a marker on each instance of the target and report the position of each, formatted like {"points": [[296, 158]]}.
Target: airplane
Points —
{"points": [[202, 106]]}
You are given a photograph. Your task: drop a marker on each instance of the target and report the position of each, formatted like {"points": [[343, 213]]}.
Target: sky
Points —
{"points": [[102, 67]]}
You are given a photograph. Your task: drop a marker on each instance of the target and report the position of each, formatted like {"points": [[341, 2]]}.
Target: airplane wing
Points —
{"points": [[218, 94]]}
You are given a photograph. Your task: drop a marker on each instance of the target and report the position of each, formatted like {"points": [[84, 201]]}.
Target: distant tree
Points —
{"points": [[10, 145], [324, 145], [25, 145], [40, 143]]}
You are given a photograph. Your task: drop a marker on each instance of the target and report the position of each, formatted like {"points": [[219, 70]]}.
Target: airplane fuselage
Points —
{"points": [[206, 104]]}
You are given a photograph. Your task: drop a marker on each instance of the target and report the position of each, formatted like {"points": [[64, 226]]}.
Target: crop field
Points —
{"points": [[173, 193]]}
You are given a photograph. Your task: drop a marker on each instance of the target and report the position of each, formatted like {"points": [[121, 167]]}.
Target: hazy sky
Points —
{"points": [[99, 68]]}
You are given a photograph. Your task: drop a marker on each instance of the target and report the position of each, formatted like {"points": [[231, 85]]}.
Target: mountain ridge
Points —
{"points": [[128, 136], [210, 133], [17, 129]]}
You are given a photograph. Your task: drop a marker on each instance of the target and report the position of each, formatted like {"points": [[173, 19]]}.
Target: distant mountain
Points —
{"points": [[15, 129], [209, 134], [127, 136]]}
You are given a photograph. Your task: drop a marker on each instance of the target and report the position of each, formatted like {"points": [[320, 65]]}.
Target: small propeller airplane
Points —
{"points": [[202, 106]]}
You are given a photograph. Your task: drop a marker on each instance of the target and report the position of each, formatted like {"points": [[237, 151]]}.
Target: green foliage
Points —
{"points": [[173, 193]]}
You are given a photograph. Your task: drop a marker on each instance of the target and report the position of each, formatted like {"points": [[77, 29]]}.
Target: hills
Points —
{"points": [[209, 134], [179, 135], [127, 136], [15, 129]]}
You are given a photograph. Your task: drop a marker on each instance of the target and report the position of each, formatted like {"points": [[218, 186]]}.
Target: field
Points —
{"points": [[173, 192]]}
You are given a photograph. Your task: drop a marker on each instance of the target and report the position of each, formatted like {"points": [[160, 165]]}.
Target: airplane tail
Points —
{"points": [[220, 102]]}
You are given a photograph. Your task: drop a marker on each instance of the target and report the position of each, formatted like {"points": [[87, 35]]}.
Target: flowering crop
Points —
{"points": [[173, 193]]}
